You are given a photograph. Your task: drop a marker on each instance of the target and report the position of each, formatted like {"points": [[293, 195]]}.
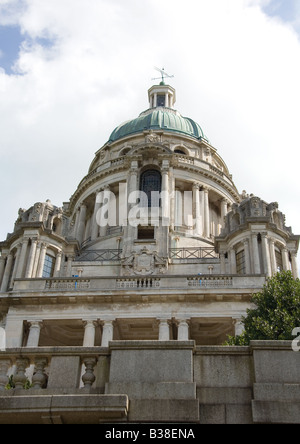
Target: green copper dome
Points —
{"points": [[164, 119]]}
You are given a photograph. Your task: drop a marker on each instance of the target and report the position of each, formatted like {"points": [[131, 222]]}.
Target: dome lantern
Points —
{"points": [[162, 96]]}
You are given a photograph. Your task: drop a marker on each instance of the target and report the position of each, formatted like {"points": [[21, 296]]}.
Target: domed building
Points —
{"points": [[155, 245]]}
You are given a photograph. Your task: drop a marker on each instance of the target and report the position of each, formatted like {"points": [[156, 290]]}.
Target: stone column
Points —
{"points": [[223, 263], [206, 231], [233, 261], [31, 258], [224, 210], [196, 207], [95, 226], [183, 330], [266, 255], [81, 224], [34, 333], [273, 257], [294, 265], [107, 333], [238, 326], [2, 267], [89, 333], [7, 272], [178, 208], [40, 268], [247, 256], [165, 194], [285, 259], [17, 260], [21, 262], [57, 267], [69, 265], [164, 330], [106, 205], [255, 251], [36, 260]]}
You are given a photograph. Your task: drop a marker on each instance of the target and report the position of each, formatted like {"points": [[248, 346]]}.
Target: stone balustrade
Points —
{"points": [[70, 368], [164, 282]]}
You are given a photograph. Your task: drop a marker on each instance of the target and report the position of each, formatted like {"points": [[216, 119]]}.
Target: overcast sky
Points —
{"points": [[73, 70]]}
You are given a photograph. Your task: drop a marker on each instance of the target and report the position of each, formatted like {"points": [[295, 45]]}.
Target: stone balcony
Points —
{"points": [[155, 288]]}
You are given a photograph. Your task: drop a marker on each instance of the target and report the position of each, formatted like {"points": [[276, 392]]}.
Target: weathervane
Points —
{"points": [[163, 75]]}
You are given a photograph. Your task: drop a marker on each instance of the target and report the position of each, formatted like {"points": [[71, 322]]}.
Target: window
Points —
{"points": [[161, 100], [48, 266], [240, 263], [146, 233], [151, 182], [279, 263]]}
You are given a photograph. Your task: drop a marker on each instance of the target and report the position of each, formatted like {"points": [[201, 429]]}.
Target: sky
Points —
{"points": [[73, 70]]}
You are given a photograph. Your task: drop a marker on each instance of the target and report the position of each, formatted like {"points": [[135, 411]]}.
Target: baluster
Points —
{"points": [[89, 378], [20, 377], [4, 379], [39, 379]]}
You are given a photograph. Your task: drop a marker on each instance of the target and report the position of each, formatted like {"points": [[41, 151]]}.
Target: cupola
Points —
{"points": [[162, 96]]}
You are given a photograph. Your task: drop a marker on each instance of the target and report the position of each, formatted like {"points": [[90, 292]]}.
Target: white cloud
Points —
{"points": [[236, 71]]}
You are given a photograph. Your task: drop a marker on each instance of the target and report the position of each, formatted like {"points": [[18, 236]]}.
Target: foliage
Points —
{"points": [[276, 312]]}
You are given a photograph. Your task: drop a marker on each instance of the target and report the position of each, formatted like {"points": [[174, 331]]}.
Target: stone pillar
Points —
{"points": [[89, 333], [165, 194], [183, 330], [21, 262], [41, 264], [178, 208], [107, 333], [81, 224], [2, 267], [223, 263], [17, 260], [285, 259], [255, 255], [105, 207], [224, 210], [294, 265], [247, 257], [5, 364], [57, 264], [206, 231], [273, 257], [95, 226], [31, 258], [266, 255], [34, 333], [69, 265], [36, 260], [233, 267], [196, 206], [7, 272], [164, 330], [238, 326]]}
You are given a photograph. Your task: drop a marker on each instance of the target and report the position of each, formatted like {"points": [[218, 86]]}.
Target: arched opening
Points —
{"points": [[151, 185]]}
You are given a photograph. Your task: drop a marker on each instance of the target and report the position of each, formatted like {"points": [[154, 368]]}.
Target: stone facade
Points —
{"points": [[156, 244]]}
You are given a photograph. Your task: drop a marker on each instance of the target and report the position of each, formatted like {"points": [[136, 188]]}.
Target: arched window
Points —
{"points": [[150, 182]]}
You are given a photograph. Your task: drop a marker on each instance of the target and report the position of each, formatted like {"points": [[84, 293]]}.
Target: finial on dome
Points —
{"points": [[163, 76]]}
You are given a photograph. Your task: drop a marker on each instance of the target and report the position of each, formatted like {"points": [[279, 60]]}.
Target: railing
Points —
{"points": [[147, 282], [193, 253], [67, 284], [41, 368], [99, 255], [210, 282]]}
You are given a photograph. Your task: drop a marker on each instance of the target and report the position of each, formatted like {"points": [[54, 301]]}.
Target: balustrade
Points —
{"points": [[32, 372]]}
